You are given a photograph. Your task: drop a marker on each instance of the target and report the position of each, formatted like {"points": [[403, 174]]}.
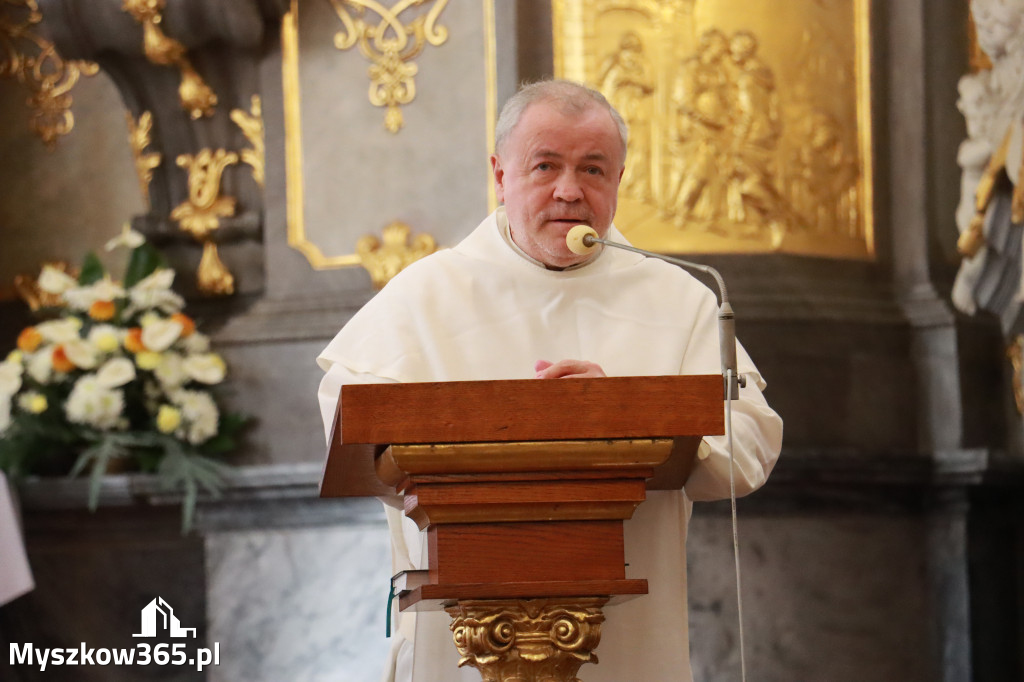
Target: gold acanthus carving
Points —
{"points": [[200, 215], [196, 96], [391, 45], [385, 259], [251, 124], [47, 77], [28, 289], [538, 640], [140, 137]]}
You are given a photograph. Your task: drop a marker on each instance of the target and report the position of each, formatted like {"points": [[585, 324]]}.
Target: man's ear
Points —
{"points": [[499, 178]]}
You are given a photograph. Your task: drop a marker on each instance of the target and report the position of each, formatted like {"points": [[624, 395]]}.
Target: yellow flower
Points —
{"points": [[32, 402], [14, 357], [147, 359], [168, 418]]}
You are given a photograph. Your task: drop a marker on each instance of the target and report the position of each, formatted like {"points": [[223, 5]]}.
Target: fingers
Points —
{"points": [[568, 369], [541, 365]]}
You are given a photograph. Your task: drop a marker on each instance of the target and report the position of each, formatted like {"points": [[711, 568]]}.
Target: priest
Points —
{"points": [[512, 301]]}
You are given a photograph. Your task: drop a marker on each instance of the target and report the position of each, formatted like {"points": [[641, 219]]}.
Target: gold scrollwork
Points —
{"points": [[196, 96], [200, 215], [48, 78], [385, 259], [527, 640], [251, 124], [139, 136], [387, 44]]}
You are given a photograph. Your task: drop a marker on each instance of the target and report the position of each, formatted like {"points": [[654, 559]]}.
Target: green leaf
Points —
{"points": [[92, 270], [144, 261]]}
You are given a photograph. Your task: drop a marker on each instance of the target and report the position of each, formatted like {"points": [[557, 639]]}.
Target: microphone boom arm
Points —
{"points": [[726, 317]]}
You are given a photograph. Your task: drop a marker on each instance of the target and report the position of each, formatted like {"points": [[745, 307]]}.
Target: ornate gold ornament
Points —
{"points": [[251, 124], [33, 61], [385, 259], [28, 289], [973, 238], [196, 96], [391, 45], [139, 137], [538, 640], [200, 215], [1015, 353], [749, 125]]}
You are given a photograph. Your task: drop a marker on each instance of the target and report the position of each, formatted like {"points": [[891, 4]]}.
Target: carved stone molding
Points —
{"points": [[536, 640]]}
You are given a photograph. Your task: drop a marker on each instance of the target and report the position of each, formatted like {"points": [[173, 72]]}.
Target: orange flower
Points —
{"points": [[60, 360], [29, 339], [188, 325], [133, 340], [102, 311]]}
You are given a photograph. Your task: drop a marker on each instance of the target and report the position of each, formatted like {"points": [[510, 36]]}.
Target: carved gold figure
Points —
{"points": [[139, 136], [33, 61], [537, 640], [390, 45], [385, 259], [749, 120], [200, 215], [251, 124], [196, 96]]}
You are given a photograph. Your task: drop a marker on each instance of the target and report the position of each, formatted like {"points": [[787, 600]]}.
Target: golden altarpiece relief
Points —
{"points": [[749, 119]]}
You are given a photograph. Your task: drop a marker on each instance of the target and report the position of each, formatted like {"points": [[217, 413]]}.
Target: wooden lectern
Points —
{"points": [[522, 487]]}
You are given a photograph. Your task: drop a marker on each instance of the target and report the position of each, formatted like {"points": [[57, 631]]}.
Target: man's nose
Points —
{"points": [[568, 188]]}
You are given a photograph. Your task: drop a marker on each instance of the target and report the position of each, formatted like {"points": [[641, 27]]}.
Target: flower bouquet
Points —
{"points": [[116, 378]]}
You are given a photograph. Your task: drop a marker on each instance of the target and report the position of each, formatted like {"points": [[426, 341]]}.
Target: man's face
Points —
{"points": [[557, 170]]}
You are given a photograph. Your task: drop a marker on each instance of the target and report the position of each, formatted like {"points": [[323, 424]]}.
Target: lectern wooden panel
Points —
{"points": [[522, 487]]}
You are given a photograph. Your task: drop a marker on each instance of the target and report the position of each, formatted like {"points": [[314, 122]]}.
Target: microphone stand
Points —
{"points": [[726, 317]]}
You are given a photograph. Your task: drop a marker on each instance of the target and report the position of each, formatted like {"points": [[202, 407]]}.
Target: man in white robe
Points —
{"points": [[511, 301], [15, 575]]}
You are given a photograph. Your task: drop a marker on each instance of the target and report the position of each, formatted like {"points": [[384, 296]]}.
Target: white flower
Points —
{"points": [[115, 372], [10, 378], [54, 281], [170, 372], [81, 353], [206, 368], [196, 343], [158, 335], [81, 298], [105, 337], [155, 292], [5, 412], [199, 415], [128, 238], [59, 331], [39, 365], [94, 405]]}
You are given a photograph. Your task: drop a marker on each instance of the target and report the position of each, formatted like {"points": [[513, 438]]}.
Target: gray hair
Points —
{"points": [[569, 96]]}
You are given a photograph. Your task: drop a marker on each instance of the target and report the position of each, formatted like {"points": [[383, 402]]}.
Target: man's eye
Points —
{"points": [[543, 166], [594, 170]]}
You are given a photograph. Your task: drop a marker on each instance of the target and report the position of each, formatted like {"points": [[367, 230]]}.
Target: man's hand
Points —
{"points": [[567, 369]]}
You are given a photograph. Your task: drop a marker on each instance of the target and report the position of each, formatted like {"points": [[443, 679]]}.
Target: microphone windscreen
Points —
{"points": [[574, 239]]}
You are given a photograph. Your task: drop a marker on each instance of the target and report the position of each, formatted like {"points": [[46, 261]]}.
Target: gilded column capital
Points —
{"points": [[535, 640]]}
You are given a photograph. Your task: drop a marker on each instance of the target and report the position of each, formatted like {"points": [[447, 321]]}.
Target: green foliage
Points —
{"points": [[92, 270], [143, 262]]}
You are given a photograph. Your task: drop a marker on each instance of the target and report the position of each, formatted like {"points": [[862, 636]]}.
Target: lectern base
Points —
{"points": [[535, 640]]}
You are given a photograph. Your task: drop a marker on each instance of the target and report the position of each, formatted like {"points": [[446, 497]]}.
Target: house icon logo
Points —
{"points": [[158, 615]]}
